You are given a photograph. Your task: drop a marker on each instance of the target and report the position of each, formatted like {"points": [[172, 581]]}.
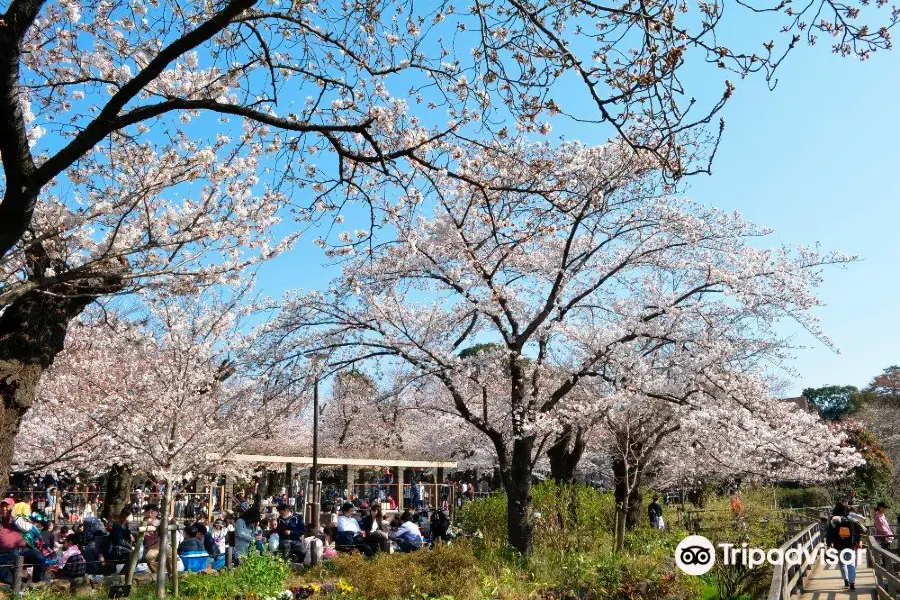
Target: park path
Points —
{"points": [[826, 583]]}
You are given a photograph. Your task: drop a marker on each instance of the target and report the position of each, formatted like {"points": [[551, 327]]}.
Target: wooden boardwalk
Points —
{"points": [[826, 582]]}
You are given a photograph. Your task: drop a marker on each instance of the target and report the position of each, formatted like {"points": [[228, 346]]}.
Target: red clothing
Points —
{"points": [[10, 538]]}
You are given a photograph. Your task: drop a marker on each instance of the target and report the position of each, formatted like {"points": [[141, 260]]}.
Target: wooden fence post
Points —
{"points": [[135, 556], [174, 538], [17, 576], [229, 557]]}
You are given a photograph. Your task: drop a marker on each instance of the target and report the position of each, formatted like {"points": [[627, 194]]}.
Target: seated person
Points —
{"points": [[13, 545], [440, 526], [328, 549], [291, 529], [120, 544], [408, 537], [72, 564], [348, 532], [373, 527], [273, 540], [193, 540]]}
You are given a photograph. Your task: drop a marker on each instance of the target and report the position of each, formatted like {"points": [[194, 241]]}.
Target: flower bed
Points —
{"points": [[331, 590]]}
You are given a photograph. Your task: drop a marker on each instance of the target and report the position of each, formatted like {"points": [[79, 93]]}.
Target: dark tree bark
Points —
{"points": [[271, 483], [118, 491], [32, 332], [628, 491], [520, 518], [565, 454]]}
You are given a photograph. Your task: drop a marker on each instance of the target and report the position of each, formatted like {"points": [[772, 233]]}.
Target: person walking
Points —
{"points": [[655, 513], [843, 536]]}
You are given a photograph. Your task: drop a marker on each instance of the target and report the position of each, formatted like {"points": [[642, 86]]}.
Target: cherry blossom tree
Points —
{"points": [[167, 395], [755, 438], [581, 280], [275, 89], [77, 74], [171, 222]]}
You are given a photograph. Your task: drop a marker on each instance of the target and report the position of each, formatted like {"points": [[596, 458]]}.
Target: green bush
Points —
{"points": [[449, 570], [573, 556], [762, 526], [259, 575], [803, 497], [570, 517]]}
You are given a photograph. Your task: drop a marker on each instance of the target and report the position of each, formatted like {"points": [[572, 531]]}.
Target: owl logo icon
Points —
{"points": [[695, 555]]}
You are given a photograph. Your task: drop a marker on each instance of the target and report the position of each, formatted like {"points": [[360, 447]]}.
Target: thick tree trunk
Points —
{"points": [[271, 484], [32, 332], [520, 518], [118, 491], [565, 453]]}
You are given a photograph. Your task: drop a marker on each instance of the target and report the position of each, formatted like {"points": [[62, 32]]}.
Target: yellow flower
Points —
{"points": [[344, 587]]}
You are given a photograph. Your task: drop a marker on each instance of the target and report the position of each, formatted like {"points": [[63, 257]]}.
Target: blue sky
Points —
{"points": [[816, 160]]}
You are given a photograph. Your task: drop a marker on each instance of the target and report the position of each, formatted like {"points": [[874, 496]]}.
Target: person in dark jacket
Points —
{"points": [[375, 532], [843, 535], [440, 526], [94, 544], [121, 543], [290, 533], [193, 540], [655, 513], [209, 544]]}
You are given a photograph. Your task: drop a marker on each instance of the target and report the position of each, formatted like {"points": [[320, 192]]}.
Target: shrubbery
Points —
{"points": [[803, 497], [573, 556], [445, 571], [259, 575]]}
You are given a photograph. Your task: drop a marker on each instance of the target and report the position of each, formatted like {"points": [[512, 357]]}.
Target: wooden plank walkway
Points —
{"points": [[826, 582]]}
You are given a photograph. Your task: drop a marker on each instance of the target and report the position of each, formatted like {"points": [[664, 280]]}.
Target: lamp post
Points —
{"points": [[314, 469]]}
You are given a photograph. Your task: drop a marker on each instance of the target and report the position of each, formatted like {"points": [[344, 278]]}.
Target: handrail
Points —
{"points": [[886, 565], [787, 578]]}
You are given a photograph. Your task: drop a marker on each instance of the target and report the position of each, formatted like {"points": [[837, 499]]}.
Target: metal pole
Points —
{"points": [[314, 470]]}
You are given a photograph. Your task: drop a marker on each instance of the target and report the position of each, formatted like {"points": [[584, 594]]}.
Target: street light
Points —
{"points": [[314, 469], [316, 492]]}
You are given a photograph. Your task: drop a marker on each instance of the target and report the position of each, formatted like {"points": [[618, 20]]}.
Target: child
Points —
{"points": [[71, 565], [329, 551]]}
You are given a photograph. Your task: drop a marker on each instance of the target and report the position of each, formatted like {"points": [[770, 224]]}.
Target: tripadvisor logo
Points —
{"points": [[696, 555]]}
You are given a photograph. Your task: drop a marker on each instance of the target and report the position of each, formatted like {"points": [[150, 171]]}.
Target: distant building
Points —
{"points": [[801, 402]]}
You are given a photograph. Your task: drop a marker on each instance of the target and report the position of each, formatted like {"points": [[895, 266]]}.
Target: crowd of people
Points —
{"points": [[91, 547]]}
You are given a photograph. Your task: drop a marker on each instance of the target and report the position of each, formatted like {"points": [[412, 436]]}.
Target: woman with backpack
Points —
{"points": [[843, 535]]}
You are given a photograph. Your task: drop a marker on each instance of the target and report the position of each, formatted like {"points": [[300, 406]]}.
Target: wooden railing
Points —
{"points": [[886, 565], [788, 578]]}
